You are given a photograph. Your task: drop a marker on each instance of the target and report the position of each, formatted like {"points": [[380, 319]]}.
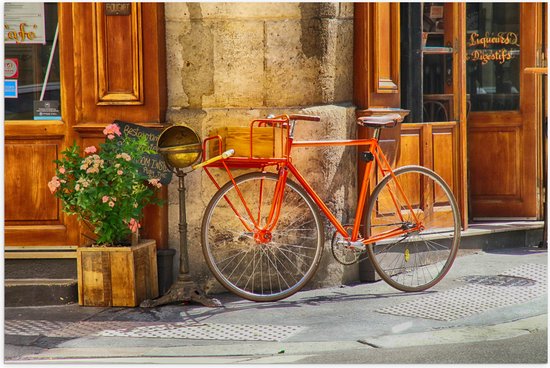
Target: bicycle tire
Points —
{"points": [[262, 272], [416, 261]]}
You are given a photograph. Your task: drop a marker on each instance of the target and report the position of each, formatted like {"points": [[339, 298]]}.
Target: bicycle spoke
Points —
{"points": [[242, 262], [415, 261]]}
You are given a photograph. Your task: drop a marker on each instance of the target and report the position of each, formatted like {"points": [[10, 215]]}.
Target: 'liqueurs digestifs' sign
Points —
{"points": [[154, 165], [503, 41]]}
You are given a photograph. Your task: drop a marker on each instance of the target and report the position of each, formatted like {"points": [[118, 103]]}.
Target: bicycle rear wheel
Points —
{"points": [[255, 269], [418, 260]]}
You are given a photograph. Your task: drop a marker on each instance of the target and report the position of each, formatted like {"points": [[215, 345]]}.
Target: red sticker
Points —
{"points": [[11, 68]]}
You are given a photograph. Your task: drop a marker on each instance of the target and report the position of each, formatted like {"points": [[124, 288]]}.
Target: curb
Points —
{"points": [[459, 335]]}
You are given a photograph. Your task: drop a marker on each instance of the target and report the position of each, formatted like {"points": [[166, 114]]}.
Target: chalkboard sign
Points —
{"points": [[153, 164]]}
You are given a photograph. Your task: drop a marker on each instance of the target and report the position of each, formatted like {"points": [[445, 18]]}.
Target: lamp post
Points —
{"points": [[180, 146]]}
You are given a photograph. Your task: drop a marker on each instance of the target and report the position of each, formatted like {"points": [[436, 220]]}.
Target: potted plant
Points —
{"points": [[105, 188]]}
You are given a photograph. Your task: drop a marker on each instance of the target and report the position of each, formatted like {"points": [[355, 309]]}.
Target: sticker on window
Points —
{"points": [[47, 110]]}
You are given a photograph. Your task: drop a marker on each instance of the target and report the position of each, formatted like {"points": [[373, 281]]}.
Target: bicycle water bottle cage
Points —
{"points": [[367, 156]]}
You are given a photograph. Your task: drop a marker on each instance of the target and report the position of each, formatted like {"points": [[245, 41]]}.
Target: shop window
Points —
{"points": [[427, 51], [31, 51], [493, 56]]}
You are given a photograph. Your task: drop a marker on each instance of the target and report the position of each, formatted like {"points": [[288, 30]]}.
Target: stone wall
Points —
{"points": [[230, 63]]}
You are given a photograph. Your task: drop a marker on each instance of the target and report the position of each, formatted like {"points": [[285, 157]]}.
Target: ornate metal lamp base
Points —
{"points": [[182, 291]]}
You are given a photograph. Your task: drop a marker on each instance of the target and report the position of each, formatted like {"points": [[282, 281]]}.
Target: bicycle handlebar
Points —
{"points": [[305, 117], [224, 155]]}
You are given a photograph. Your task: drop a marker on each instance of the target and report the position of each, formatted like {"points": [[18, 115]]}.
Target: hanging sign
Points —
{"points": [[498, 47], [24, 23], [11, 68], [154, 166]]}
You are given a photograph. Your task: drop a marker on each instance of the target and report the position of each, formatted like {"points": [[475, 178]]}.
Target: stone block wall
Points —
{"points": [[230, 63]]}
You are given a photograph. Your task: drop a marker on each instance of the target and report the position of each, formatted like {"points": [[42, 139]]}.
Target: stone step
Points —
{"points": [[37, 292]]}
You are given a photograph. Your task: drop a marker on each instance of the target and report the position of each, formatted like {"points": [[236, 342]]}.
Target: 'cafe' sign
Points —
{"points": [[503, 39]]}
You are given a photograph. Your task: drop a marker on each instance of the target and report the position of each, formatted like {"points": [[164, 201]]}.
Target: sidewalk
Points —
{"points": [[486, 296]]}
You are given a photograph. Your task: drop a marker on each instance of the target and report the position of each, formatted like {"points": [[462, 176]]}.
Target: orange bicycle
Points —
{"points": [[263, 236]]}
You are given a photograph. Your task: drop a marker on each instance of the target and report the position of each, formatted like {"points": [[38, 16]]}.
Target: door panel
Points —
{"points": [[503, 129]]}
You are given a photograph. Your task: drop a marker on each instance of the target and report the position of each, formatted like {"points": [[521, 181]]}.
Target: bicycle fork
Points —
{"points": [[264, 234]]}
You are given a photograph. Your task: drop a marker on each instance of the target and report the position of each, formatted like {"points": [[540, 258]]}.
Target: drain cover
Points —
{"points": [[499, 280], [515, 286]]}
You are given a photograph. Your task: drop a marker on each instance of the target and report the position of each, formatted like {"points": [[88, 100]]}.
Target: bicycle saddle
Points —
{"points": [[382, 121]]}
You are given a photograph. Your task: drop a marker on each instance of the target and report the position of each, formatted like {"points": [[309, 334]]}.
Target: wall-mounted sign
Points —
{"points": [[10, 88], [24, 23], [11, 68], [117, 8], [498, 47], [154, 165]]}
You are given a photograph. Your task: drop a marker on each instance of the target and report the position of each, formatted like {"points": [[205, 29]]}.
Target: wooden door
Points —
{"points": [[109, 64], [33, 215], [504, 128]]}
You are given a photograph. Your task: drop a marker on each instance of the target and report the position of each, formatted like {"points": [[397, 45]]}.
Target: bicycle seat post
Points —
{"points": [[376, 134]]}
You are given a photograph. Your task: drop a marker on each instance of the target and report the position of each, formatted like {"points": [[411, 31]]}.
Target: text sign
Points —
{"points": [[10, 88], [11, 68], [117, 9], [154, 166], [24, 22], [46, 110], [499, 47]]}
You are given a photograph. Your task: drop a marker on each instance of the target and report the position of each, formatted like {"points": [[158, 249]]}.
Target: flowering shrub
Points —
{"points": [[106, 189]]}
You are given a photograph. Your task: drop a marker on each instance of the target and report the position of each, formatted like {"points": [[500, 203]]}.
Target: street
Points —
{"points": [[491, 308]]}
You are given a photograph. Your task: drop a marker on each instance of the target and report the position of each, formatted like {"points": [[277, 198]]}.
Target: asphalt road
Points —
{"points": [[527, 349]]}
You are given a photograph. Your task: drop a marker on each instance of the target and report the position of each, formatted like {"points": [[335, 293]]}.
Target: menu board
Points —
{"points": [[154, 165]]}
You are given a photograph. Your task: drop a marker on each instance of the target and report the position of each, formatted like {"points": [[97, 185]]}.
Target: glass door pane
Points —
{"points": [[437, 68], [31, 64], [493, 56]]}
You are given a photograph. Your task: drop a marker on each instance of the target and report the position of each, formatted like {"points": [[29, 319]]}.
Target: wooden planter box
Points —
{"points": [[117, 276]]}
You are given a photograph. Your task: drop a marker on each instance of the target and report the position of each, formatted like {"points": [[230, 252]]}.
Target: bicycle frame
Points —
{"points": [[285, 166]]}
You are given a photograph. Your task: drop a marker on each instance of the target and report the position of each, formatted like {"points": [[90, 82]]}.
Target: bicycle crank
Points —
{"points": [[344, 251]]}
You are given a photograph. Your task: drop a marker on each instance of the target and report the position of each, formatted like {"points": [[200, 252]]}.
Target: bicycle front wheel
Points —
{"points": [[419, 259], [256, 264]]}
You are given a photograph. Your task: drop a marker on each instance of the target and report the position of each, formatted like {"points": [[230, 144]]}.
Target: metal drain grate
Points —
{"points": [[32, 328], [177, 330], [473, 299], [498, 280]]}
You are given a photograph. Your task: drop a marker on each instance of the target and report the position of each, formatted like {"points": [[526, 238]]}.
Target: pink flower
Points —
{"points": [[90, 149], [124, 156], [54, 184], [155, 183], [119, 172], [134, 225], [105, 199], [62, 170], [111, 204], [111, 130]]}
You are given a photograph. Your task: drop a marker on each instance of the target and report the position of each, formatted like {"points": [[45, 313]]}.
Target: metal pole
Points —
{"points": [[184, 289], [184, 254], [49, 63]]}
